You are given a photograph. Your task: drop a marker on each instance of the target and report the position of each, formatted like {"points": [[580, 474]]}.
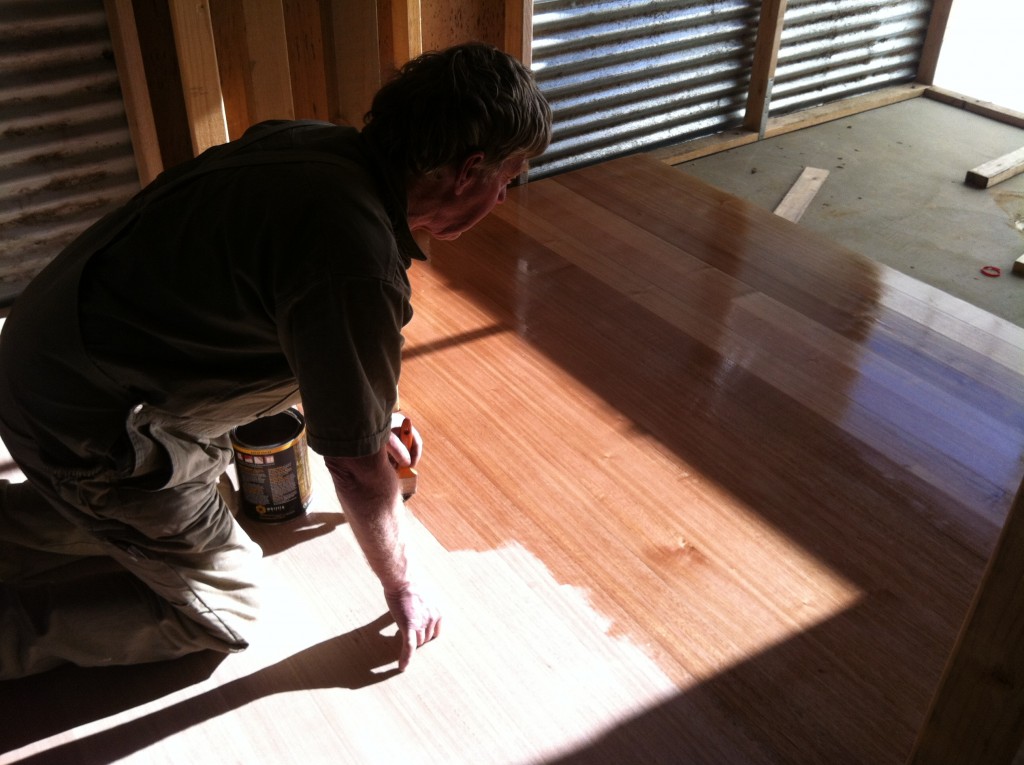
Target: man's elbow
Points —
{"points": [[359, 475]]}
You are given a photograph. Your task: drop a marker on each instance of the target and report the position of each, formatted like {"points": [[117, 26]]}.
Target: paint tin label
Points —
{"points": [[272, 463]]}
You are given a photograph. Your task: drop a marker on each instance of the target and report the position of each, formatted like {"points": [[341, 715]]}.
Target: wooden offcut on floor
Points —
{"points": [[699, 487]]}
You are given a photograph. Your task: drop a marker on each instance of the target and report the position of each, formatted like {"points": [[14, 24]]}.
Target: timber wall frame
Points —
{"points": [[192, 78], [757, 125], [195, 74], [775, 126]]}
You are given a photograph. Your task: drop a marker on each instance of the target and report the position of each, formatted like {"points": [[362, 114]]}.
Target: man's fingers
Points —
{"points": [[405, 447], [398, 453], [408, 649], [418, 621], [413, 639]]}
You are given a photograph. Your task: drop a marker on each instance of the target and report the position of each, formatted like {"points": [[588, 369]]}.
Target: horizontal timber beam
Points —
{"points": [[730, 139], [847, 107]]}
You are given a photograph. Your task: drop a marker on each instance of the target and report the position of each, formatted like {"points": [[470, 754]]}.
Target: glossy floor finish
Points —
{"points": [[699, 487]]}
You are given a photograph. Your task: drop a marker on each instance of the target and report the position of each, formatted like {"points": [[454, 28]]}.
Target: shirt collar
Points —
{"points": [[396, 202]]}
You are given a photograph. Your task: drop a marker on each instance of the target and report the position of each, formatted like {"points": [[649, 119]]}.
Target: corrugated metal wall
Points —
{"points": [[629, 75], [65, 153], [626, 75], [838, 48]]}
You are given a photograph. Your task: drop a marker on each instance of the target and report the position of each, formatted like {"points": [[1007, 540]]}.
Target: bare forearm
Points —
{"points": [[368, 492]]}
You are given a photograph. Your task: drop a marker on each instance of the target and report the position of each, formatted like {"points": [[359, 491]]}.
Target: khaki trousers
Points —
{"points": [[100, 569]]}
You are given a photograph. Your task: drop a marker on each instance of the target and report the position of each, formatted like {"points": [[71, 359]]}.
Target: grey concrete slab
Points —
{"points": [[896, 193]]}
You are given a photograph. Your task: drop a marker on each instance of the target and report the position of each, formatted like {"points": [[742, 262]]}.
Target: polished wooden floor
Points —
{"points": [[699, 487]]}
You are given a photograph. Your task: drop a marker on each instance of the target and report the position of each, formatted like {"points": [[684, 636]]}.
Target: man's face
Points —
{"points": [[472, 194]]}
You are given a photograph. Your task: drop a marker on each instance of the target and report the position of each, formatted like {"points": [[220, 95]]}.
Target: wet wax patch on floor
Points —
{"points": [[1012, 202]]}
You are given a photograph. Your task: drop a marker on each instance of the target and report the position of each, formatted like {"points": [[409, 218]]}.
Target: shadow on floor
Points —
{"points": [[706, 725], [38, 707]]}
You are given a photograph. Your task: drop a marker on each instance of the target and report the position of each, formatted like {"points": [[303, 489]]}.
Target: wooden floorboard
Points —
{"points": [[699, 487]]}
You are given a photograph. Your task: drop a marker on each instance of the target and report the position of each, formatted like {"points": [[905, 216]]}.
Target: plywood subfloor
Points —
{"points": [[896, 193], [699, 487]]}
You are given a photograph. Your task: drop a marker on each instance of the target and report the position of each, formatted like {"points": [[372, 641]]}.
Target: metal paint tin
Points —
{"points": [[272, 463]]}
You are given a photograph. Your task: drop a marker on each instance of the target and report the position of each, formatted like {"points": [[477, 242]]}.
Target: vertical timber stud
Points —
{"points": [[200, 79], [519, 30], [977, 714], [356, 61], [124, 36], [519, 41], [269, 85], [406, 30], [933, 41], [307, 59], [762, 74]]}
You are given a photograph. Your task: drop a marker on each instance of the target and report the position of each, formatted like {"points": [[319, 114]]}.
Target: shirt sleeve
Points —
{"points": [[343, 339]]}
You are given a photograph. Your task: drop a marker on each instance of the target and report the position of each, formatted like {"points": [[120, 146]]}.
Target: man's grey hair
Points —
{"points": [[445, 105]]}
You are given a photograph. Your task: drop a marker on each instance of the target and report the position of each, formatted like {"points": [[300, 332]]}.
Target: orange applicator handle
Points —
{"points": [[406, 475]]}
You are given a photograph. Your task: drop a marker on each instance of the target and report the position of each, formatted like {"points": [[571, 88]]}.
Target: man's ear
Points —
{"points": [[467, 170]]}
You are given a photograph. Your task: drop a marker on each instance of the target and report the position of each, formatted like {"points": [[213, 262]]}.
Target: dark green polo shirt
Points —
{"points": [[248, 285]]}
